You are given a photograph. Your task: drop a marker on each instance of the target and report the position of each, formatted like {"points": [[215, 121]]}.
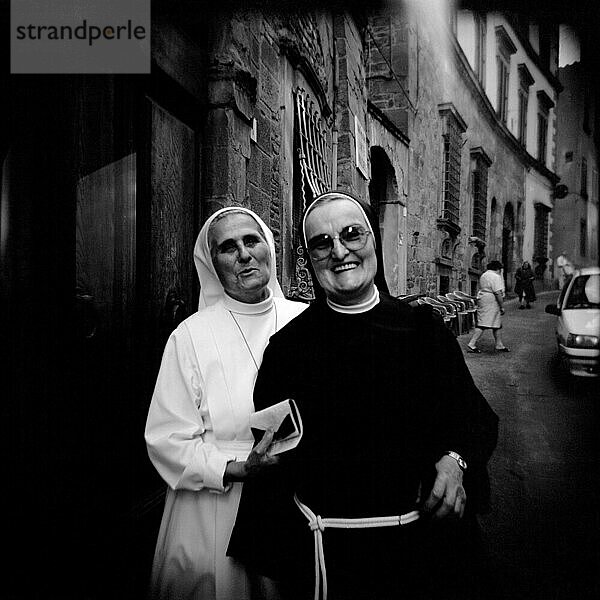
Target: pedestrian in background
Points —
{"points": [[490, 309], [566, 269], [524, 285]]}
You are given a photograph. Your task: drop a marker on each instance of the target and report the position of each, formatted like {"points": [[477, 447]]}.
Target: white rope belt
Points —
{"points": [[318, 524]]}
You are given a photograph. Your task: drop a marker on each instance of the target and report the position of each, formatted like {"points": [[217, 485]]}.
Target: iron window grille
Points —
{"points": [[312, 176], [479, 189], [451, 192], [454, 127], [541, 230]]}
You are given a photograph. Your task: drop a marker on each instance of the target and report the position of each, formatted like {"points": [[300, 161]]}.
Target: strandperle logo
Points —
{"points": [[89, 33], [80, 36]]}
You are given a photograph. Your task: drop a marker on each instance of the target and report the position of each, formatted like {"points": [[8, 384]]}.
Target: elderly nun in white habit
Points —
{"points": [[197, 431]]}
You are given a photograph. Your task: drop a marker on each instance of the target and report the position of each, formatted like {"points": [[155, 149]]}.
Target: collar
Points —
{"points": [[245, 308], [354, 309]]}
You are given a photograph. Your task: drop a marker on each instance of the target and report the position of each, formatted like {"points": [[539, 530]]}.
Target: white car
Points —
{"points": [[578, 323]]}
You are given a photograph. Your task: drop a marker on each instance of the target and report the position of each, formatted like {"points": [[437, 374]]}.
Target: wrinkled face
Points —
{"points": [[241, 257], [345, 275]]}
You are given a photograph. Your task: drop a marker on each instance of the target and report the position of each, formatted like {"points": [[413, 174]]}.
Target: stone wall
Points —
{"points": [[351, 102], [443, 77], [387, 42], [246, 91]]}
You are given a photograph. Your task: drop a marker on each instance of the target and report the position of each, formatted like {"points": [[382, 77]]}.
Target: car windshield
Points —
{"points": [[585, 292]]}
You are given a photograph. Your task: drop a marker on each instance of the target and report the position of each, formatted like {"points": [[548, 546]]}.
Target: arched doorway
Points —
{"points": [[493, 242], [508, 243], [519, 233], [391, 212]]}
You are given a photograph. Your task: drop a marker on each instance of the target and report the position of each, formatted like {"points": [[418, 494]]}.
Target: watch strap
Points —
{"points": [[462, 463]]}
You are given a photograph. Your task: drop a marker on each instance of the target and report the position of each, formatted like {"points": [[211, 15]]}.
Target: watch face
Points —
{"points": [[459, 459]]}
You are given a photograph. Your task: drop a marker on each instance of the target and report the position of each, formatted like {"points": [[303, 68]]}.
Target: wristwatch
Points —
{"points": [[462, 463]]}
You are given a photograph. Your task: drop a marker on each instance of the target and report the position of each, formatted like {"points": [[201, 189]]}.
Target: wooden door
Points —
{"points": [[136, 228], [100, 195]]}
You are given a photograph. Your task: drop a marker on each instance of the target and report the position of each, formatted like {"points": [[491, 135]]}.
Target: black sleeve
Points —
{"points": [[273, 383], [267, 517], [464, 421]]}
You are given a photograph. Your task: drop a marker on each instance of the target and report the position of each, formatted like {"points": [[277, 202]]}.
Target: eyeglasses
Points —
{"points": [[352, 237]]}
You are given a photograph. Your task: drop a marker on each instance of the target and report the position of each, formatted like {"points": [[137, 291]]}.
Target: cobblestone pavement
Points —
{"points": [[543, 528]]}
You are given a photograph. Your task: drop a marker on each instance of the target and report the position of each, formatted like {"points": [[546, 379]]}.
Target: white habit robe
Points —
{"points": [[197, 422]]}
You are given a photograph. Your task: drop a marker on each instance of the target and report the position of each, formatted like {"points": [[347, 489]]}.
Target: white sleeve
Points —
{"points": [[497, 284], [174, 427]]}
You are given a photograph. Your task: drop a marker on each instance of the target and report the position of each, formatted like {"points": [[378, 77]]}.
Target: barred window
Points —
{"points": [[452, 173], [541, 231], [312, 176], [480, 164], [454, 127]]}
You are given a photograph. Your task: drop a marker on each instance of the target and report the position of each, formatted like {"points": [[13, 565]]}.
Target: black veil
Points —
{"points": [[379, 280]]}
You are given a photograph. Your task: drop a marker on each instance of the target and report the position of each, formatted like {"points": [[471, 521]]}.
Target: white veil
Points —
{"points": [[210, 286]]}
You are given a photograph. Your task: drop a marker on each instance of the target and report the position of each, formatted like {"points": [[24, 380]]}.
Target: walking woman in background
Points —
{"points": [[197, 432], [490, 299], [524, 285]]}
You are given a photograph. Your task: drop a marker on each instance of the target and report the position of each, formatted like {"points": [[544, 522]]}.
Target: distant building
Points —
{"points": [[475, 94], [575, 222]]}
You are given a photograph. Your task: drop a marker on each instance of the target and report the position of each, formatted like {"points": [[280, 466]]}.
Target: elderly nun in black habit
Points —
{"points": [[379, 497]]}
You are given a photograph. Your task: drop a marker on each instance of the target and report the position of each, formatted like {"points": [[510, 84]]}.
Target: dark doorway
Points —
{"points": [[385, 199], [508, 242], [100, 189]]}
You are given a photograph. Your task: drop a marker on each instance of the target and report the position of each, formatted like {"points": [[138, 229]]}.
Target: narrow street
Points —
{"points": [[543, 528]]}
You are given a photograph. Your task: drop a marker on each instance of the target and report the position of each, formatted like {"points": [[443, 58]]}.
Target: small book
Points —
{"points": [[285, 421]]}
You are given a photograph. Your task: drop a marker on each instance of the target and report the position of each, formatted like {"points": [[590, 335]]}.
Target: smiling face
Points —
{"points": [[241, 257], [346, 276]]}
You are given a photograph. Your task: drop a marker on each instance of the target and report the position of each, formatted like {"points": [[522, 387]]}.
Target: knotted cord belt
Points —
{"points": [[318, 524]]}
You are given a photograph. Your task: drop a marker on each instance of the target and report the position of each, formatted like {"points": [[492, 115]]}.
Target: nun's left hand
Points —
{"points": [[448, 497], [258, 460]]}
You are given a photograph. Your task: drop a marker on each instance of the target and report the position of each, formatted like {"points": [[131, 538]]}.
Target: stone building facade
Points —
{"points": [[429, 113], [575, 223], [288, 116], [466, 89]]}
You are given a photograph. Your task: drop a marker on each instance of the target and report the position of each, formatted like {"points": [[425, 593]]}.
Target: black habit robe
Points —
{"points": [[382, 396]]}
